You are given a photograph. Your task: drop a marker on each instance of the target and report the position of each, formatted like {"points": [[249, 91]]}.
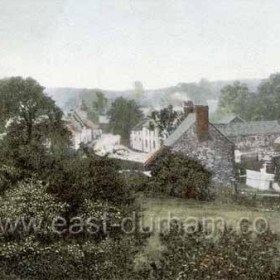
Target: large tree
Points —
{"points": [[124, 115], [33, 126], [23, 103], [269, 98], [234, 99]]}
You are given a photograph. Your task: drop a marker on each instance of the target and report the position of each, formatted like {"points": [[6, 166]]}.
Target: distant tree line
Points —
{"points": [[264, 104]]}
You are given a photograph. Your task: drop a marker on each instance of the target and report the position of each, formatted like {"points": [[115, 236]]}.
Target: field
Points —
{"points": [[160, 209]]}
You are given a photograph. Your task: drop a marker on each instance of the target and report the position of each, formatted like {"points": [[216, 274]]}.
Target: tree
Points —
{"points": [[234, 99], [24, 104], [124, 115], [99, 105], [165, 120], [262, 105], [35, 131], [268, 101]]}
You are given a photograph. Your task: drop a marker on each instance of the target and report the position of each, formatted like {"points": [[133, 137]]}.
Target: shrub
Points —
{"points": [[232, 256], [28, 203], [90, 177], [88, 260], [178, 176]]}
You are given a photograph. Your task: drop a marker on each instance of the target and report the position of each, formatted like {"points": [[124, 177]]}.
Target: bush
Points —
{"points": [[28, 203], [232, 256], [177, 176], [76, 179], [88, 260]]}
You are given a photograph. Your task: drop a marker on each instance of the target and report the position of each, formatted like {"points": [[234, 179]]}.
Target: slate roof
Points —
{"points": [[180, 130], [228, 119], [249, 128]]}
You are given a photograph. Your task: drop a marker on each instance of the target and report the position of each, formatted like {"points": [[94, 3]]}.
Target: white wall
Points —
{"points": [[259, 180], [145, 140]]}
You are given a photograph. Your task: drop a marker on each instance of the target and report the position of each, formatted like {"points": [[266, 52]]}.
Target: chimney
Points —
{"points": [[188, 107], [202, 122]]}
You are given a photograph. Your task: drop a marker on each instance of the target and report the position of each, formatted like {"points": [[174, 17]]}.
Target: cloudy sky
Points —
{"points": [[111, 43]]}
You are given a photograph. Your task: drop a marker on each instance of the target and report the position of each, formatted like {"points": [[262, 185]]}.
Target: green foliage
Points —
{"points": [[23, 103], [69, 260], [29, 201], [166, 120], [91, 177], [234, 99], [232, 256], [262, 105], [124, 115], [178, 176], [35, 130], [9, 176], [268, 100]]}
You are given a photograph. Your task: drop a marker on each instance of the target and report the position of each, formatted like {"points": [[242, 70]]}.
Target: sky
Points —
{"points": [[109, 44]]}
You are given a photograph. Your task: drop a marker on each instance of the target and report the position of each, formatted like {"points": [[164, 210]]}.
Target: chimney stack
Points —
{"points": [[188, 107], [202, 122]]}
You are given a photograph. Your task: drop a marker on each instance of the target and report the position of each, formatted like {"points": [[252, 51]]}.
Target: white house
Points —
{"points": [[83, 130], [144, 139]]}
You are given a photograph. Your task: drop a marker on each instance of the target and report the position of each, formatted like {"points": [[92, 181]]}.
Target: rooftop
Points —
{"points": [[249, 128], [182, 128]]}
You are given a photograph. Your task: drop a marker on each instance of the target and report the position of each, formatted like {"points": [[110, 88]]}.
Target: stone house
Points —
{"points": [[255, 137], [198, 139]]}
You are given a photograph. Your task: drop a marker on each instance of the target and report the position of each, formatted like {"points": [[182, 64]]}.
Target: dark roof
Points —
{"points": [[249, 128], [229, 119]]}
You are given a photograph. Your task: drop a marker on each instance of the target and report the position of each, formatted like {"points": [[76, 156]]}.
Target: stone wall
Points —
{"points": [[216, 153], [254, 142]]}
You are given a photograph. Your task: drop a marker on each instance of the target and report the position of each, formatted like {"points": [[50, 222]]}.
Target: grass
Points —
{"points": [[159, 209], [162, 208]]}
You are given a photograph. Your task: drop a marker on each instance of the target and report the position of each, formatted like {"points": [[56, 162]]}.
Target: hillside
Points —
{"points": [[69, 98]]}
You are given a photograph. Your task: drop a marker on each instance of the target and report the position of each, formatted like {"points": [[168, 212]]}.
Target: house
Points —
{"points": [[198, 139], [144, 139], [256, 137], [83, 130]]}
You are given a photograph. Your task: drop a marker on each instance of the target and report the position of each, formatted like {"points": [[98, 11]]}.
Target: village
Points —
{"points": [[219, 145], [139, 140]]}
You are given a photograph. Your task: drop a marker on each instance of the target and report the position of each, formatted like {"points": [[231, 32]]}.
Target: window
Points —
{"points": [[146, 143], [154, 144]]}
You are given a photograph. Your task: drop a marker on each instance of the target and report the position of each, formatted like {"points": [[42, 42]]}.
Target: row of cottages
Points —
{"points": [[83, 130], [143, 139], [257, 138], [198, 139]]}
